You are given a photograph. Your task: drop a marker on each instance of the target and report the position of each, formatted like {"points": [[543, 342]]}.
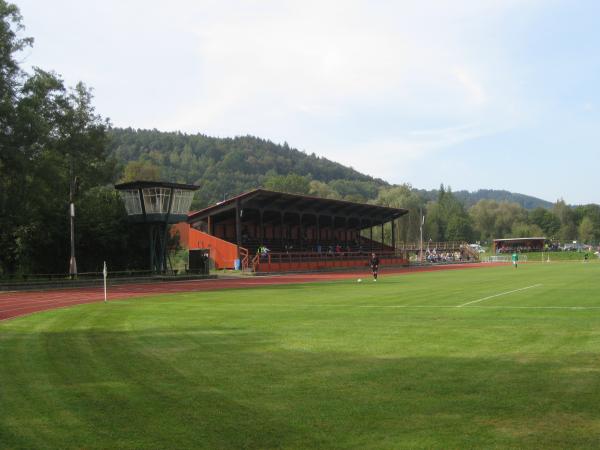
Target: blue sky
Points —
{"points": [[499, 94]]}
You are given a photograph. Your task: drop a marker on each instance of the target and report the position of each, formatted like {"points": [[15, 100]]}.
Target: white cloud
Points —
{"points": [[310, 70], [394, 159], [271, 71], [314, 73], [476, 93]]}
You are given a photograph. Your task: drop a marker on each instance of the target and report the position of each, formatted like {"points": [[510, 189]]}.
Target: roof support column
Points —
{"points": [[301, 232], [318, 231], [394, 235], [382, 238], [370, 235], [163, 250], [261, 230], [345, 233], [281, 229], [238, 226], [333, 230]]}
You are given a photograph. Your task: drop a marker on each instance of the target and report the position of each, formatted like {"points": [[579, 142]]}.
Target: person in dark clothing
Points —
{"points": [[374, 263]]}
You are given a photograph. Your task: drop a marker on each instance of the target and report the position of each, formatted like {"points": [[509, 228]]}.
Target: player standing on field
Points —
{"points": [[374, 263], [515, 259]]}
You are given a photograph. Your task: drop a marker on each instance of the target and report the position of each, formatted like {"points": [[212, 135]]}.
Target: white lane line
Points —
{"points": [[320, 305], [482, 307], [499, 295], [536, 307]]}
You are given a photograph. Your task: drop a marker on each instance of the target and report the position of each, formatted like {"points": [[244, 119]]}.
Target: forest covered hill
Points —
{"points": [[224, 167], [471, 198]]}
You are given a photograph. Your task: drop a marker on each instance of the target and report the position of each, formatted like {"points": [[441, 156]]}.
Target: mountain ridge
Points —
{"points": [[227, 166]]}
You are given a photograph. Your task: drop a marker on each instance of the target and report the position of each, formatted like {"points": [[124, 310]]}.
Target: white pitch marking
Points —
{"points": [[499, 295], [480, 307], [320, 305], [292, 305], [537, 307]]}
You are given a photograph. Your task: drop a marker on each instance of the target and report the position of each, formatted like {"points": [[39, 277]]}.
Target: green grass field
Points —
{"points": [[393, 364]]}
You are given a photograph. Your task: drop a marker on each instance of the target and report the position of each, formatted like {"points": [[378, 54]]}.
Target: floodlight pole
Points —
{"points": [[104, 276], [72, 261], [421, 220]]}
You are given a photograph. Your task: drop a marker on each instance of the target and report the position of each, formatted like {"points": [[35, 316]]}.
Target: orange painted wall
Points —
{"points": [[222, 253]]}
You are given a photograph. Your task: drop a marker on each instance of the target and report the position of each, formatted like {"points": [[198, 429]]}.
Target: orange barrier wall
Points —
{"points": [[222, 253], [183, 229]]}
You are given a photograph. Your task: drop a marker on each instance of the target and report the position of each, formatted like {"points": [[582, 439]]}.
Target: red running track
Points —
{"points": [[16, 303]]}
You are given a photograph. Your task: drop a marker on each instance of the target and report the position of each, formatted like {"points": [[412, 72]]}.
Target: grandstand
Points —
{"points": [[300, 232], [527, 244]]}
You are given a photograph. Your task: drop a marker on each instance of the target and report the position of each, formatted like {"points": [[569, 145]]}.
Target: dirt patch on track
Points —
{"points": [[14, 304]]}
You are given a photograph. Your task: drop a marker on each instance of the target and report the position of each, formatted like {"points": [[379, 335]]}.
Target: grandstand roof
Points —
{"points": [[521, 239], [294, 203]]}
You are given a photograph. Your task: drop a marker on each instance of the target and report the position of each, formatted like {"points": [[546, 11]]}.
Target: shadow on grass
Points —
{"points": [[220, 387]]}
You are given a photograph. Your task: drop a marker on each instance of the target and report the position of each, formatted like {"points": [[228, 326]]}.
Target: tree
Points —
{"points": [[323, 190], [521, 230], [568, 232], [354, 190], [459, 228], [12, 161], [405, 197], [402, 196], [546, 220], [586, 230], [435, 222], [568, 225], [291, 183], [140, 170], [495, 220], [590, 220], [70, 145], [483, 216], [564, 212], [447, 219], [48, 135], [104, 234]]}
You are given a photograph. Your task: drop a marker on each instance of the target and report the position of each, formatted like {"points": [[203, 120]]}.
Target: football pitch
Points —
{"points": [[482, 358]]}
